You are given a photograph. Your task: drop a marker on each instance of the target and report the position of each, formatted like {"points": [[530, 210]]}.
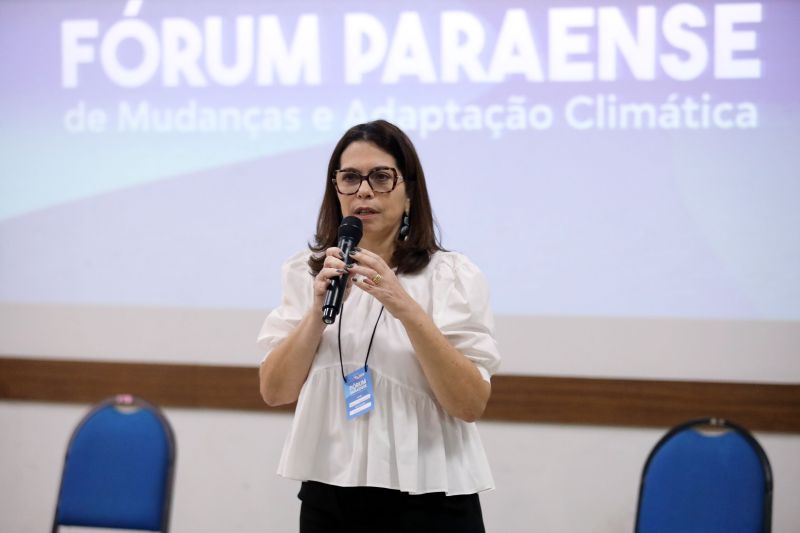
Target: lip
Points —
{"points": [[365, 216]]}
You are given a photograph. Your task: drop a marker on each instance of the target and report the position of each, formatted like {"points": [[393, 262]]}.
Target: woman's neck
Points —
{"points": [[382, 247]]}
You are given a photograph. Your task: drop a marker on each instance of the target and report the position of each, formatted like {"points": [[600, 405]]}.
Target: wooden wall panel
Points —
{"points": [[560, 400]]}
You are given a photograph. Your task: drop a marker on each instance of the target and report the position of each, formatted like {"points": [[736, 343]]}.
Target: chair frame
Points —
{"points": [[723, 424], [128, 400]]}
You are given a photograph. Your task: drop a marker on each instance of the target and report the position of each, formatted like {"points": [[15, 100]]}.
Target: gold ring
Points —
{"points": [[376, 279]]}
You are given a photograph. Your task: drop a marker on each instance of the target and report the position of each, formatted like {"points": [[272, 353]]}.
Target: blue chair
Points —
{"points": [[706, 476], [119, 468]]}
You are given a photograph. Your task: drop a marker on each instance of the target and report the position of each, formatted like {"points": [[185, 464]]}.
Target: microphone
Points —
{"points": [[350, 232]]}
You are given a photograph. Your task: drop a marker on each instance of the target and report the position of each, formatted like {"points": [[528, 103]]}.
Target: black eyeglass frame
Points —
{"points": [[365, 177]]}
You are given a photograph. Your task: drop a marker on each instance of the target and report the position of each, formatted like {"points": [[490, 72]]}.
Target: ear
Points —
{"points": [[408, 205]]}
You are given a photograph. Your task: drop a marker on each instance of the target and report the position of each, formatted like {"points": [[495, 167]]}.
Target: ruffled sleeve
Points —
{"points": [[298, 293], [462, 311]]}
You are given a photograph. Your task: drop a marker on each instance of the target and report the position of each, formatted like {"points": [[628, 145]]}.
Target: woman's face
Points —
{"points": [[380, 213]]}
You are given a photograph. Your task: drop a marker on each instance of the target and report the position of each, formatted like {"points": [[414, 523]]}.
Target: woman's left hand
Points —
{"points": [[371, 274], [455, 380]]}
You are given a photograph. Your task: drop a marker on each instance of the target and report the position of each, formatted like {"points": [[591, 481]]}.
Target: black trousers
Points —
{"points": [[332, 509]]}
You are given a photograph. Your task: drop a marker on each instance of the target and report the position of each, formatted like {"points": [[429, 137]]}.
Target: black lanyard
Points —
{"points": [[339, 339]]}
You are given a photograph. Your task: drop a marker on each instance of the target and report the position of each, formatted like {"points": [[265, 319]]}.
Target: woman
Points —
{"points": [[417, 318]]}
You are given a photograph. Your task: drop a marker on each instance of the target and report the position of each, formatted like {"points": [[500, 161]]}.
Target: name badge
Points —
{"points": [[358, 397]]}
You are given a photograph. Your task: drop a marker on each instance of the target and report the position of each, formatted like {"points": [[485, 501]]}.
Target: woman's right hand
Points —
{"points": [[333, 267], [283, 373]]}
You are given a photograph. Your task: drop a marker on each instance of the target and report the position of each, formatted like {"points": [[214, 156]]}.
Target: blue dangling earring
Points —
{"points": [[405, 226]]}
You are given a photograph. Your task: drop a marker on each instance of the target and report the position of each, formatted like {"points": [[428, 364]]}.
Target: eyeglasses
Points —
{"points": [[381, 179]]}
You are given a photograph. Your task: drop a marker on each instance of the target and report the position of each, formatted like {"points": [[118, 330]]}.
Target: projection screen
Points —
{"points": [[625, 174]]}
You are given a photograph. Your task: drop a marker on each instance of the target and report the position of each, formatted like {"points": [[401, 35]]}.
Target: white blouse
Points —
{"points": [[407, 442]]}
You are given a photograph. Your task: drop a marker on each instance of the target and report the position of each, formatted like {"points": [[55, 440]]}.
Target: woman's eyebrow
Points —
{"points": [[379, 167]]}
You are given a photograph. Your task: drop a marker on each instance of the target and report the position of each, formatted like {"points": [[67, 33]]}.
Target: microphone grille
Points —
{"points": [[352, 228]]}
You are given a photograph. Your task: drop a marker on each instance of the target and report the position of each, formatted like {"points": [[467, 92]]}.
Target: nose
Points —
{"points": [[365, 190]]}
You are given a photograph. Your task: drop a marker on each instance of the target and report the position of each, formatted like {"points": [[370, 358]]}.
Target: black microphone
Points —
{"points": [[350, 232]]}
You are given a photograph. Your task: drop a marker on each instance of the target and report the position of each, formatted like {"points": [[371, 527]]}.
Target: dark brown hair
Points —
{"points": [[410, 255]]}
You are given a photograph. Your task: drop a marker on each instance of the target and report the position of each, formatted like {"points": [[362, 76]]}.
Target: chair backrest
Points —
{"points": [[119, 468], [706, 475]]}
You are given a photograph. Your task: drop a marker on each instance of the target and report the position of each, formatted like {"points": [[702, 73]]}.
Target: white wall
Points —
{"points": [[553, 478]]}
